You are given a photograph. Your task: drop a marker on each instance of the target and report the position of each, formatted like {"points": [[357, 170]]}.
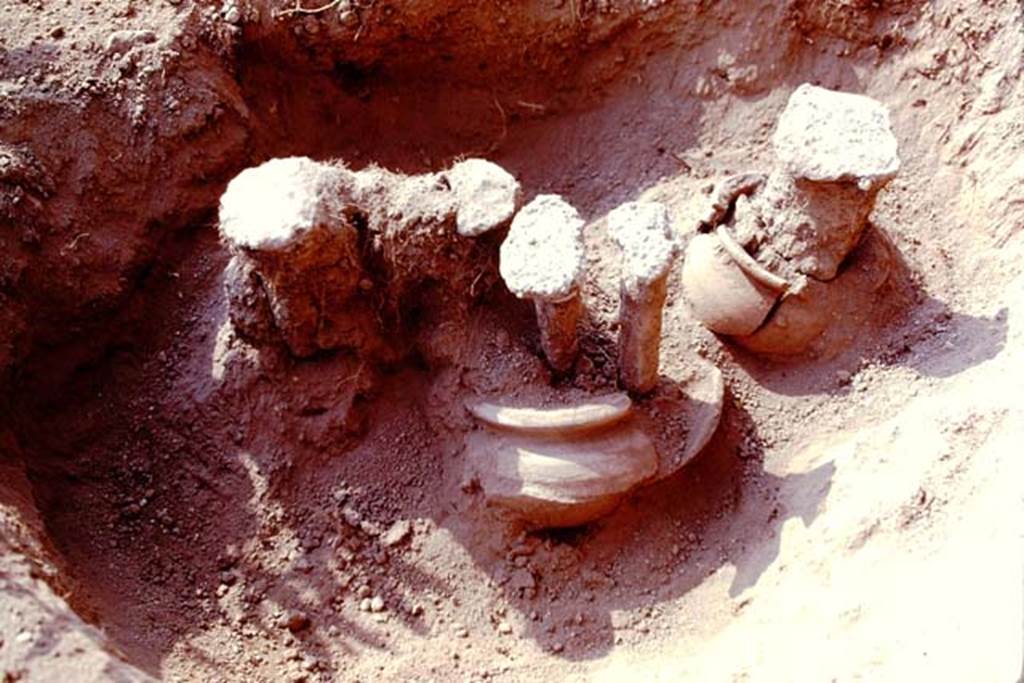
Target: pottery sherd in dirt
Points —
{"points": [[542, 260], [722, 296], [596, 412], [560, 467], [642, 230], [815, 310]]}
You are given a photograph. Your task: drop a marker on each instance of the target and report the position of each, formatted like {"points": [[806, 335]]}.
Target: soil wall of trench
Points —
{"points": [[120, 124]]}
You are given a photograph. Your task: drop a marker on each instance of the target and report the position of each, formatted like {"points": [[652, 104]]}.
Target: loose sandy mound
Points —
{"points": [[218, 513]]}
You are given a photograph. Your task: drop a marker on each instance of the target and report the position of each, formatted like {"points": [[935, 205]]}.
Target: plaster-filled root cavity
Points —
{"points": [[542, 260], [322, 254], [642, 231], [768, 273]]}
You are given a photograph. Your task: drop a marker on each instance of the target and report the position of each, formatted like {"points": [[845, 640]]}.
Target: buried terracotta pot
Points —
{"points": [[560, 467], [817, 314], [569, 465], [769, 315], [723, 296], [800, 318]]}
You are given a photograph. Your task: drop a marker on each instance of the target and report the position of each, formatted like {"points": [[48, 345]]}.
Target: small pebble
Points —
{"points": [[397, 533], [298, 622]]}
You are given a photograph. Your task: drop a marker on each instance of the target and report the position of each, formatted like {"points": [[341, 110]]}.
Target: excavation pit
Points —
{"points": [[180, 503]]}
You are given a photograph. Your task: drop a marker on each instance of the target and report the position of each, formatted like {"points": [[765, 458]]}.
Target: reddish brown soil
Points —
{"points": [[220, 513]]}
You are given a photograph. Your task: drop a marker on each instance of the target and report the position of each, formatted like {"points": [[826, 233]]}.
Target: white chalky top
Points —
{"points": [[542, 257], [485, 195], [826, 135], [270, 207], [643, 232]]}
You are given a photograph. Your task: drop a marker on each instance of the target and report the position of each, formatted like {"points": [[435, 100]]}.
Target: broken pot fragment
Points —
{"points": [[542, 260], [593, 414], [724, 297], [815, 313], [566, 465]]}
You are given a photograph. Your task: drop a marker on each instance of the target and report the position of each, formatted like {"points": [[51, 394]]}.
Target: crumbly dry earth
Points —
{"points": [[215, 513]]}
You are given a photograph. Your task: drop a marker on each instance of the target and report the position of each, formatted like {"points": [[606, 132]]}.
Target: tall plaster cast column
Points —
{"points": [[318, 250], [836, 151], [643, 232], [542, 259]]}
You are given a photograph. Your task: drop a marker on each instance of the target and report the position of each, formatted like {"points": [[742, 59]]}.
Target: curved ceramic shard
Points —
{"points": [[746, 262], [552, 482], [797, 321], [594, 413], [705, 393]]}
